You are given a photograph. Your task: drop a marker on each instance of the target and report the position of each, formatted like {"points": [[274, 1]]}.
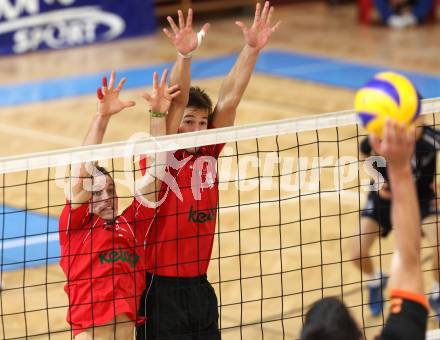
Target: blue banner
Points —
{"points": [[30, 25]]}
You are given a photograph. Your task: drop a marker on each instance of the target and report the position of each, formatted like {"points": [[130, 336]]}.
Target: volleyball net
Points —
{"points": [[290, 196]]}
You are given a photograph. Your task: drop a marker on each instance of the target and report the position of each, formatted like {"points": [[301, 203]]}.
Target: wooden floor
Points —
{"points": [[311, 28]]}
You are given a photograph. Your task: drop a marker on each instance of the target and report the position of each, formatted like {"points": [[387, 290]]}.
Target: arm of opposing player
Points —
{"points": [[406, 271], [397, 147]]}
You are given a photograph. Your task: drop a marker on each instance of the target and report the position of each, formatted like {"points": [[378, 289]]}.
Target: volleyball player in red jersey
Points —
{"points": [[179, 302], [102, 253]]}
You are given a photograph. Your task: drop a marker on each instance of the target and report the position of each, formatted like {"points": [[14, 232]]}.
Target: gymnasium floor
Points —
{"points": [[312, 65]]}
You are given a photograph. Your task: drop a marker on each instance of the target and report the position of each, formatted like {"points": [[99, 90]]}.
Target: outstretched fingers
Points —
{"points": [[99, 93], [392, 132], [242, 26], [168, 33], [181, 19], [104, 85], [112, 80], [269, 16], [155, 81], [121, 84], [173, 25], [265, 12], [164, 78], [174, 94], [257, 13], [174, 91], [205, 27], [189, 18], [276, 26]]}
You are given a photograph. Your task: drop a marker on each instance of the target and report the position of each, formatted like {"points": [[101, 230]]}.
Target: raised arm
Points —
{"points": [[233, 87], [398, 147], [109, 104], [186, 42], [159, 100]]}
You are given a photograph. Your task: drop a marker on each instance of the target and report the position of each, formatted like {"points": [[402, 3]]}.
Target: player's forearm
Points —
{"points": [[405, 214], [238, 79], [180, 75], [406, 269], [97, 129]]}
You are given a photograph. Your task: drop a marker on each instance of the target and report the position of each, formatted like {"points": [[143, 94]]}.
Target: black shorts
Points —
{"points": [[178, 308], [408, 324], [379, 210]]}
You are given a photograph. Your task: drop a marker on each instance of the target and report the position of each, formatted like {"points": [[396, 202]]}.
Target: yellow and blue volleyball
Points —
{"points": [[387, 94]]}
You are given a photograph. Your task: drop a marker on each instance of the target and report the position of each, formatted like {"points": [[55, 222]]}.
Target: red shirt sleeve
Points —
{"points": [[73, 219]]}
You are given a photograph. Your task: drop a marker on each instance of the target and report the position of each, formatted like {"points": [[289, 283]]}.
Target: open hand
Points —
{"points": [[108, 97], [161, 96], [259, 33], [183, 37], [397, 145]]}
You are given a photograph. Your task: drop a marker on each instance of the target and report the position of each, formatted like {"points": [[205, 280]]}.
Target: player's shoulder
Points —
{"points": [[73, 211]]}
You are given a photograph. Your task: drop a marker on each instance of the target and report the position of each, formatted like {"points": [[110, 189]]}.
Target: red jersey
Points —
{"points": [[180, 238], [104, 264]]}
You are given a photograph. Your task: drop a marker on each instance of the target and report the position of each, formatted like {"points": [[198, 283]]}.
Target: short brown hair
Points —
{"points": [[199, 99]]}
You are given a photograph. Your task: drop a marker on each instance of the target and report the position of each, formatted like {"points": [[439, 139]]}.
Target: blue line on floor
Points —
{"points": [[277, 63]]}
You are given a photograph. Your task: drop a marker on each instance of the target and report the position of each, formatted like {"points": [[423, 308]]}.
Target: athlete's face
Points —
{"points": [[105, 202], [194, 119]]}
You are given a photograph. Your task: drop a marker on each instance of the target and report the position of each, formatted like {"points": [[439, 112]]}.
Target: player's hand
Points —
{"points": [[259, 33], [162, 95], [397, 145], [108, 97], [183, 37]]}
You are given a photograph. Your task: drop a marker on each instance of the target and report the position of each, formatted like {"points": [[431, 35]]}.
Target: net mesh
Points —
{"points": [[290, 196]]}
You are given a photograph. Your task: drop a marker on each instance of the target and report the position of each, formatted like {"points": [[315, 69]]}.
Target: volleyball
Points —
{"points": [[387, 94]]}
